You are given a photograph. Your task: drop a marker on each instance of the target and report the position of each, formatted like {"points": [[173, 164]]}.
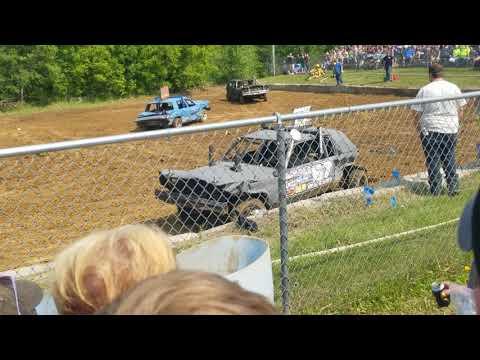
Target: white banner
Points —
{"points": [[302, 122]]}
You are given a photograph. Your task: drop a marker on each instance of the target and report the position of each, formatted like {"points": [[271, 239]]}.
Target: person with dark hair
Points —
{"points": [[438, 125], [388, 63], [338, 71]]}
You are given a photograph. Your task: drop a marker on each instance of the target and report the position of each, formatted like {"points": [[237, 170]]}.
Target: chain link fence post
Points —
{"points": [[283, 217]]}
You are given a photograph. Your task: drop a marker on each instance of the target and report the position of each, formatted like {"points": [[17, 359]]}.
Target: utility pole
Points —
{"points": [[273, 59]]}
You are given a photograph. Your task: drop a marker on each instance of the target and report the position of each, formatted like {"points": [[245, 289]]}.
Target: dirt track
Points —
{"points": [[48, 200]]}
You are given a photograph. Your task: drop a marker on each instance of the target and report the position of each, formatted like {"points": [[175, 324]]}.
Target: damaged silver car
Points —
{"points": [[245, 179]]}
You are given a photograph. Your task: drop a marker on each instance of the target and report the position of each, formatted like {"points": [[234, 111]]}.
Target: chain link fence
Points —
{"points": [[347, 185], [381, 221]]}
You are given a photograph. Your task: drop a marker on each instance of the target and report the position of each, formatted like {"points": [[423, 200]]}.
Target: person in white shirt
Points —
{"points": [[438, 125]]}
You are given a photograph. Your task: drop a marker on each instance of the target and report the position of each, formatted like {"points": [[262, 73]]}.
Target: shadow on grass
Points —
{"points": [[176, 224]]}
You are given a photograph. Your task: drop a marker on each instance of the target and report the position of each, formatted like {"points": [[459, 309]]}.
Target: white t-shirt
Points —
{"points": [[441, 117]]}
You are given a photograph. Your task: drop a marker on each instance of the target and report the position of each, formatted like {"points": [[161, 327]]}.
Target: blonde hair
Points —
{"points": [[189, 293], [98, 268]]}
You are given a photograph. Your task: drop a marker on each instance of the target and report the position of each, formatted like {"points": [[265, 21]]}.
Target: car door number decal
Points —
{"points": [[309, 177]]}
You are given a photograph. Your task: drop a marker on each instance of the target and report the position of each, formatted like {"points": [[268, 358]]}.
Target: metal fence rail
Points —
{"points": [[389, 213], [52, 194]]}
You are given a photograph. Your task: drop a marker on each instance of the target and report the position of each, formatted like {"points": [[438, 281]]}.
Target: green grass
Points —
{"points": [[409, 78], [389, 277], [27, 109]]}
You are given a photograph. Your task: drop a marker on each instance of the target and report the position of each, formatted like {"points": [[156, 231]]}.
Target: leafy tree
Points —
{"points": [[238, 61], [44, 73], [97, 72]]}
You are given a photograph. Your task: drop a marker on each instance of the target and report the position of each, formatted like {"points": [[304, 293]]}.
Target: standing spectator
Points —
{"points": [[301, 61], [307, 62], [444, 54], [438, 125], [338, 71], [356, 57], [388, 63], [408, 55], [290, 61]]}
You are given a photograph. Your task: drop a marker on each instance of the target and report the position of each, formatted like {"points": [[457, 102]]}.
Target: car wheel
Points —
{"points": [[242, 99], [177, 122], [265, 97], [355, 178], [246, 207]]}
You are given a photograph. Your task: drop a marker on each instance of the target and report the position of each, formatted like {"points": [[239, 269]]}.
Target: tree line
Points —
{"points": [[41, 74]]}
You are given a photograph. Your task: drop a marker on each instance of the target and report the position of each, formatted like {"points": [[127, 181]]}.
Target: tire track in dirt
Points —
{"points": [[49, 200]]}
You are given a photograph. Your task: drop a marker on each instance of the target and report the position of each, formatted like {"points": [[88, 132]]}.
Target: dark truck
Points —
{"points": [[242, 90], [245, 178]]}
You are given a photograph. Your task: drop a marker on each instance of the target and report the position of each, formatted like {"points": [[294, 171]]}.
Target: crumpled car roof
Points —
{"points": [[272, 135]]}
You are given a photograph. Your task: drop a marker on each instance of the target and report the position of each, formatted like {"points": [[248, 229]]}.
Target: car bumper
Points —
{"points": [[255, 93], [153, 122], [192, 202]]}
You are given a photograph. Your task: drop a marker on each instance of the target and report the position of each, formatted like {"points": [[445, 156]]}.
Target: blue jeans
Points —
{"points": [[439, 149], [338, 77], [388, 73]]}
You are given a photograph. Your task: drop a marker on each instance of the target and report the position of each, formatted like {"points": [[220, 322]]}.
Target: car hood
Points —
{"points": [[221, 174]]}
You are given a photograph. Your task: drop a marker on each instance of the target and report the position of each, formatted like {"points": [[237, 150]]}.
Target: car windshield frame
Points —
{"points": [[158, 107], [151, 107], [257, 152]]}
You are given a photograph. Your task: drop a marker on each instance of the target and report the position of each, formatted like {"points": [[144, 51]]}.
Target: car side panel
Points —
{"points": [[310, 177]]}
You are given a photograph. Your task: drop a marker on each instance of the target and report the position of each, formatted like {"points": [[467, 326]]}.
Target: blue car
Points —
{"points": [[172, 112]]}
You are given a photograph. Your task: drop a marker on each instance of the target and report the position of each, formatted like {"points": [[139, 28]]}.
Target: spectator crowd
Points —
{"points": [[370, 56], [294, 64]]}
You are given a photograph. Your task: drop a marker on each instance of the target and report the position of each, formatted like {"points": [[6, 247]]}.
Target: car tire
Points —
{"points": [[242, 99], [246, 207], [177, 122], [355, 178], [264, 97]]}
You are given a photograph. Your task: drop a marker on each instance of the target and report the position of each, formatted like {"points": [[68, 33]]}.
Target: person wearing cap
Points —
{"points": [[18, 297], [438, 125]]}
